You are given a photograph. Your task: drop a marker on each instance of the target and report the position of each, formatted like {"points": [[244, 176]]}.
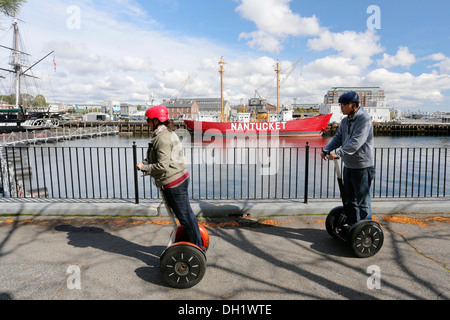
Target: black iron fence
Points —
{"points": [[216, 173]]}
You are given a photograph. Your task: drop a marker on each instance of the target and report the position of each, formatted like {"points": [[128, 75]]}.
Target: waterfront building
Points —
{"points": [[112, 106], [373, 99], [58, 107], [96, 116], [127, 109], [202, 109], [182, 108]]}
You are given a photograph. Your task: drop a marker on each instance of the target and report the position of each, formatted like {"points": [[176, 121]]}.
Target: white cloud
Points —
{"points": [[121, 53], [348, 43], [133, 63], [354, 52], [444, 66], [403, 58], [334, 65], [408, 90], [436, 57], [262, 40], [117, 53], [275, 22]]}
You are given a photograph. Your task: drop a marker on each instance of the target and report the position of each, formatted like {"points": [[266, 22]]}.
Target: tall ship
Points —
{"points": [[260, 121], [13, 115]]}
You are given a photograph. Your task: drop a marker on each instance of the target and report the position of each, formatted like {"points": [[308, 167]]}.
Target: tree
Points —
{"points": [[39, 101], [10, 7]]}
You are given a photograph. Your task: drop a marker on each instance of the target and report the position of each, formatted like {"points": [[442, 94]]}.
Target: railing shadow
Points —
{"points": [[311, 241], [98, 238]]}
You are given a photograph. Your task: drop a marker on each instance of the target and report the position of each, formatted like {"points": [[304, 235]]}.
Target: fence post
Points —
{"points": [[135, 170], [306, 171]]}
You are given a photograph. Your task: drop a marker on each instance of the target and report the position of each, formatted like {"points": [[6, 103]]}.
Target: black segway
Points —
{"points": [[365, 237], [183, 264]]}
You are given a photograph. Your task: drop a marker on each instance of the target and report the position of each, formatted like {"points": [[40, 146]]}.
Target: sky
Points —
{"points": [[142, 52]]}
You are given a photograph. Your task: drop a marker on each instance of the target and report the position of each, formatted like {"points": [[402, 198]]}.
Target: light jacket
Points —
{"points": [[356, 138], [165, 159]]}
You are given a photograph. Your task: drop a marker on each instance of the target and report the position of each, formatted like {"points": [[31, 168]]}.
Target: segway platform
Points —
{"points": [[364, 237]]}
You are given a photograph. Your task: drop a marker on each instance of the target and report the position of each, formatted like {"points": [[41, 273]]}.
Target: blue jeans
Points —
{"points": [[357, 183], [178, 200]]}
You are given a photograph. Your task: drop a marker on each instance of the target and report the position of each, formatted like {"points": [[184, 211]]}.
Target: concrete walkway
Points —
{"points": [[262, 260], [213, 208]]}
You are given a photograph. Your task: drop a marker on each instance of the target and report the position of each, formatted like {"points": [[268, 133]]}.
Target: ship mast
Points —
{"points": [[221, 71], [16, 62], [278, 70]]}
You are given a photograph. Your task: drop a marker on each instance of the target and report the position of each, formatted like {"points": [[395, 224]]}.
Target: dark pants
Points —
{"points": [[178, 200], [357, 183]]}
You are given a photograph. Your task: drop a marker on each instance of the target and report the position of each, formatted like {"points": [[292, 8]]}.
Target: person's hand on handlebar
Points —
{"points": [[333, 156], [141, 164], [328, 156]]}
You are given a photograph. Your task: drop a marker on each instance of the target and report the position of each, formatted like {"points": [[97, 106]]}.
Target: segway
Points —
{"points": [[364, 237], [183, 264]]}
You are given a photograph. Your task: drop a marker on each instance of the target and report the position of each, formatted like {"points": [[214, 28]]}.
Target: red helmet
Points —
{"points": [[158, 112]]}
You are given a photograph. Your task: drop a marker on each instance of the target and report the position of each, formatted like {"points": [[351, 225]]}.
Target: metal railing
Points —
{"points": [[242, 173]]}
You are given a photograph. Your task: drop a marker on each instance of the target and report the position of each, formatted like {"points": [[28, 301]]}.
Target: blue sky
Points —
{"points": [[129, 50]]}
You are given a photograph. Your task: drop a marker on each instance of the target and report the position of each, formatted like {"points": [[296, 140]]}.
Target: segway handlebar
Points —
{"points": [[337, 167]]}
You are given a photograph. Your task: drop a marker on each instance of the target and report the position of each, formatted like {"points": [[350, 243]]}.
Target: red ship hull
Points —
{"points": [[309, 127]]}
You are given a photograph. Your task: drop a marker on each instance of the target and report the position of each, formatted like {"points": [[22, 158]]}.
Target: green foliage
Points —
{"points": [[27, 100], [10, 7]]}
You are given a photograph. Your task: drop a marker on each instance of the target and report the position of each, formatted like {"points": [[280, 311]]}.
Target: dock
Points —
{"points": [[411, 129], [140, 128], [403, 130], [123, 127], [55, 135], [17, 170]]}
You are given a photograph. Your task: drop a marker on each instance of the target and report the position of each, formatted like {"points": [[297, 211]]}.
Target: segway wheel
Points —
{"points": [[366, 239], [331, 221], [183, 265]]}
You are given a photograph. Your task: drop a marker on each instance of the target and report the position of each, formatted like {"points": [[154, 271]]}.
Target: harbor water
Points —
{"points": [[142, 141], [239, 168]]}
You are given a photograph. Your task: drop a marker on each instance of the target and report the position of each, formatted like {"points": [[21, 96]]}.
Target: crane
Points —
{"points": [[280, 82], [182, 87], [289, 71]]}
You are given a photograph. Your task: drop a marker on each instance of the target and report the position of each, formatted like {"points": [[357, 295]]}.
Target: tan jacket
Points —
{"points": [[166, 161]]}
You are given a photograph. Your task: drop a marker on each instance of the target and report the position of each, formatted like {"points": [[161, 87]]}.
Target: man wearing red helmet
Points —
{"points": [[166, 163]]}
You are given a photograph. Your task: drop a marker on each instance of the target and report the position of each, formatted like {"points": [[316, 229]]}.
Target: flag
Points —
{"points": [[54, 62]]}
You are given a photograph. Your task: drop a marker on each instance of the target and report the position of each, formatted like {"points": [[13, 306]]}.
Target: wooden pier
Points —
{"points": [[431, 129], [403, 130]]}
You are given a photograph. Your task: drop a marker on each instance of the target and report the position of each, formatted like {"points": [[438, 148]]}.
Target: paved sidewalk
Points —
{"points": [[213, 208], [260, 258]]}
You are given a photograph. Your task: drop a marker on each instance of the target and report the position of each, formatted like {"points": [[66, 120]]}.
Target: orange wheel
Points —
{"points": [[181, 236]]}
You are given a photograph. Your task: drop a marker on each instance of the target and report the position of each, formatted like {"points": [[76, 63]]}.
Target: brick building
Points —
{"points": [[196, 108]]}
